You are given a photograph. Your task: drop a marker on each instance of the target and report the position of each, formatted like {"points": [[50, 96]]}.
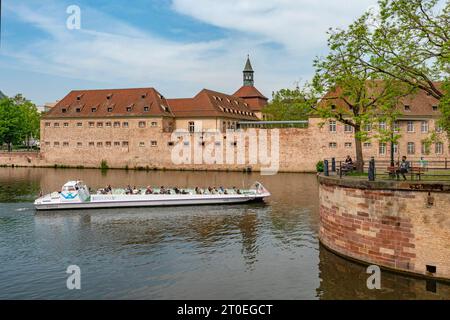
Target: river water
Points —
{"points": [[251, 251]]}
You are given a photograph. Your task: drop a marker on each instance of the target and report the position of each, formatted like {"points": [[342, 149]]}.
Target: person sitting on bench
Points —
{"points": [[402, 169], [348, 164]]}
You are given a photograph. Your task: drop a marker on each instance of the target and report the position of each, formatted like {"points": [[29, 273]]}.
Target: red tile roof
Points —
{"points": [[208, 103], [252, 96], [111, 103], [249, 92], [420, 103]]}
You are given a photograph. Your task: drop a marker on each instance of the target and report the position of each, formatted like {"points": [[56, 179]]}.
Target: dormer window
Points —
{"points": [[128, 109], [144, 96], [435, 108], [94, 109], [110, 109], [407, 108], [109, 96], [78, 110], [79, 97], [146, 109], [64, 110]]}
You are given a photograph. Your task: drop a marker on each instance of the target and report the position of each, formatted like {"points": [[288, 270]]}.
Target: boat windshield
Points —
{"points": [[68, 188]]}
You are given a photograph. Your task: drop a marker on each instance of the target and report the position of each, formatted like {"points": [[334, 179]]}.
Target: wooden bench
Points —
{"points": [[417, 172], [345, 169], [414, 171]]}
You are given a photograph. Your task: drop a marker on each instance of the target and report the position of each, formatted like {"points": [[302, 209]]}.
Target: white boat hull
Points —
{"points": [[121, 201]]}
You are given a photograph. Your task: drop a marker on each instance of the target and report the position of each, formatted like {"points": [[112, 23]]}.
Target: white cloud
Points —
{"points": [[296, 24], [282, 36]]}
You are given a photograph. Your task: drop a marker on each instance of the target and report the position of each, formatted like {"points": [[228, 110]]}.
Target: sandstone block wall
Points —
{"points": [[401, 226]]}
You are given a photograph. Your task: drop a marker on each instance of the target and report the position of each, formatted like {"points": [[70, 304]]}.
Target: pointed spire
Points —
{"points": [[248, 73], [248, 65]]}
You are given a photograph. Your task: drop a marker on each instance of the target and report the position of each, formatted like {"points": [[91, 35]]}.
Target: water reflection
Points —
{"points": [[252, 251], [345, 280]]}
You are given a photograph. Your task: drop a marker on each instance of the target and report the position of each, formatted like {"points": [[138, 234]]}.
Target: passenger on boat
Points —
{"points": [[136, 190], [149, 190], [197, 190], [128, 190], [162, 190]]}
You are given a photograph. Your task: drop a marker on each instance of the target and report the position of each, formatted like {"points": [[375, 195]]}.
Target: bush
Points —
{"points": [[319, 166], [104, 165]]}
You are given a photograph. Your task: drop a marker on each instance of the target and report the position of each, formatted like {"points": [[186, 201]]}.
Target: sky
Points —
{"points": [[176, 46]]}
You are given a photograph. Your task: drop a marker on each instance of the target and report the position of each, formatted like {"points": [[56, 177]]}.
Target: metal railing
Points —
{"points": [[419, 169]]}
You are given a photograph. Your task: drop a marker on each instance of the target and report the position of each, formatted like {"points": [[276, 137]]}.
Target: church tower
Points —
{"points": [[248, 73]]}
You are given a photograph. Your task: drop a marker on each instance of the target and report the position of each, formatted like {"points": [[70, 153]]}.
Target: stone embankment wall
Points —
{"points": [[404, 226], [86, 143]]}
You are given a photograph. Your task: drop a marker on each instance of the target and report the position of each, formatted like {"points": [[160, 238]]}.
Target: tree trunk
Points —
{"points": [[359, 152]]}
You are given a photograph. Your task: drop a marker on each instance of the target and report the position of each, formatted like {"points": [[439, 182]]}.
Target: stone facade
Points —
{"points": [[400, 226], [148, 142]]}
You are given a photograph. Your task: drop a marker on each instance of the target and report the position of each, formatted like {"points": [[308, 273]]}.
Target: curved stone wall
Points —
{"points": [[403, 226]]}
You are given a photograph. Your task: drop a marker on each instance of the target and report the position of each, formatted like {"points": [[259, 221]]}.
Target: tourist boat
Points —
{"points": [[76, 195]]}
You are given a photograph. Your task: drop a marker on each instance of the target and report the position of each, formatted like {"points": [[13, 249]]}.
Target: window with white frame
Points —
{"points": [[410, 126], [367, 144], [396, 126], [191, 126], [395, 147], [332, 126], [332, 145], [348, 128], [439, 148], [382, 148], [411, 148], [382, 125], [368, 127], [424, 126], [425, 148], [348, 144]]}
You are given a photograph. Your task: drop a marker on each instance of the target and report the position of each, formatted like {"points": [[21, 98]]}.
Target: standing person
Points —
{"points": [[423, 163], [403, 168]]}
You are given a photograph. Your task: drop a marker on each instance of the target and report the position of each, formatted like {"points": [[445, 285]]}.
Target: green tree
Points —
{"points": [[287, 104], [354, 94], [407, 40], [19, 121], [31, 124]]}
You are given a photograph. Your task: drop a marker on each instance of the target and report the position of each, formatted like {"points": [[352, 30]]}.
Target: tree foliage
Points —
{"points": [[287, 104], [19, 121], [409, 41]]}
